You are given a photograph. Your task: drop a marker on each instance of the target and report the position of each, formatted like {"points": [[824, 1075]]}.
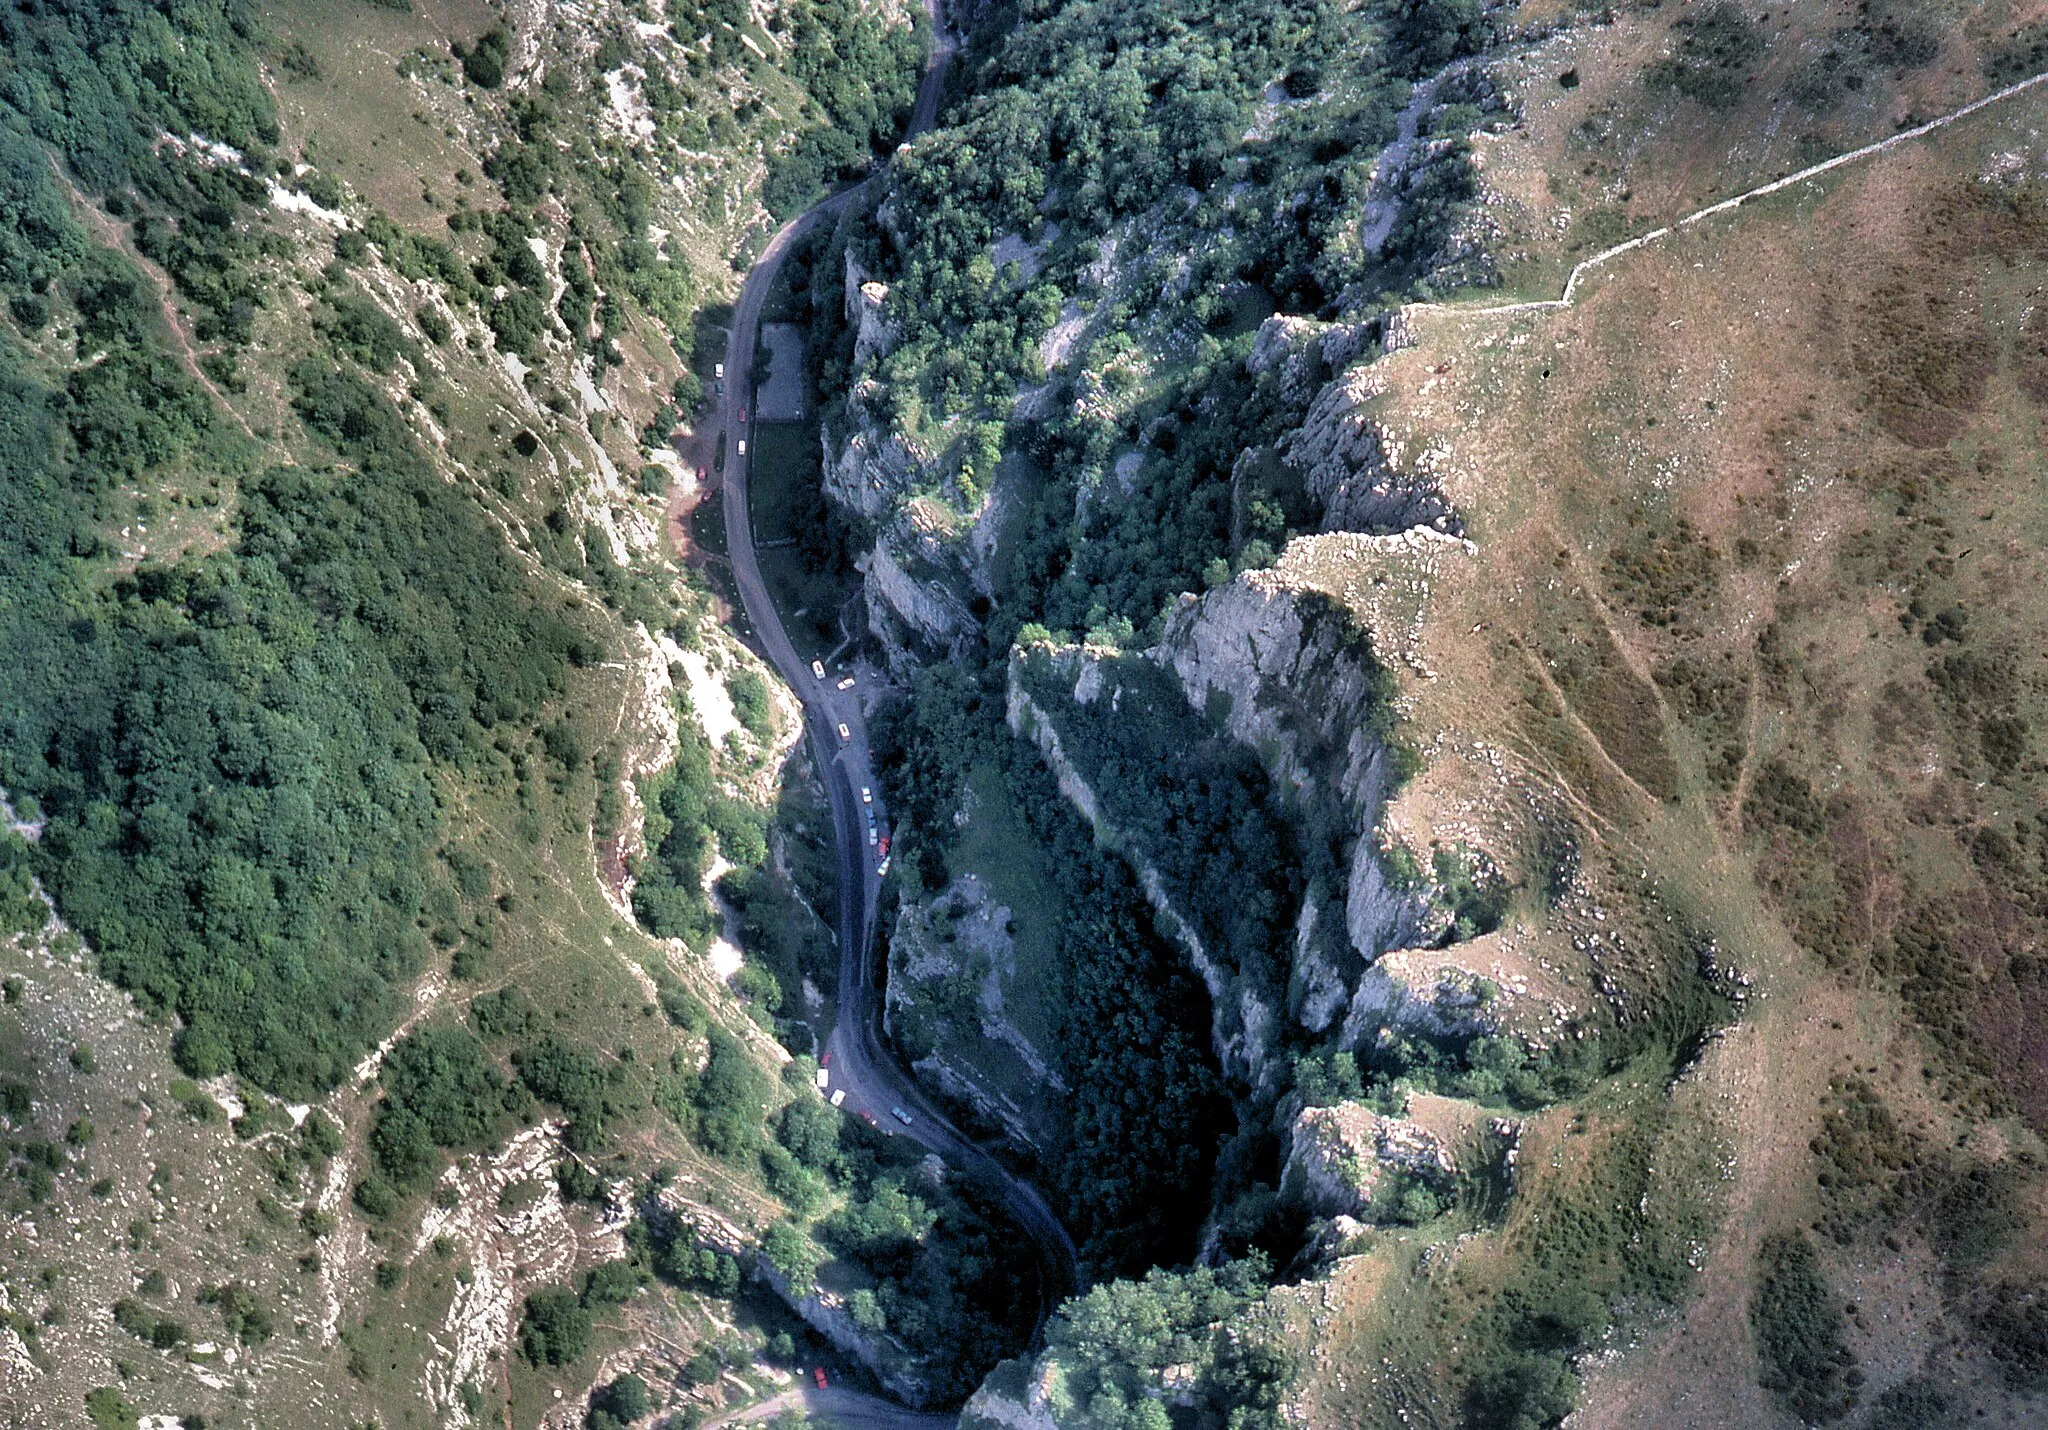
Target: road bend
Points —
{"points": [[874, 1081]]}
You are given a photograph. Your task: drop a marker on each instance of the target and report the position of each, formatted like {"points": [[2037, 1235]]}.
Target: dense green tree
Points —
{"points": [[439, 1091], [732, 1098], [555, 1329]]}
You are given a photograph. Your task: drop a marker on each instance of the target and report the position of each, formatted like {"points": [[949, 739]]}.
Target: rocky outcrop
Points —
{"points": [[1510, 983], [1357, 471], [826, 1313], [1344, 1159], [1244, 1027], [1295, 682], [867, 469], [952, 959], [1016, 1396], [1351, 1163], [1033, 722], [1305, 351], [1424, 994], [866, 313], [918, 587]]}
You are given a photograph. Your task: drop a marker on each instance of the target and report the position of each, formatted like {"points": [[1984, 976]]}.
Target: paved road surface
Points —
{"points": [[871, 1076]]}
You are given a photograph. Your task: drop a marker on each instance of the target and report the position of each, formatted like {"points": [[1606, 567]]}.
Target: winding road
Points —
{"points": [[859, 1063]]}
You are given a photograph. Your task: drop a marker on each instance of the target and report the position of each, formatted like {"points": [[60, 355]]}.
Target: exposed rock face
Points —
{"points": [[1243, 1027], [1423, 994], [826, 1313], [1359, 474], [866, 300], [1298, 685], [1032, 721], [926, 563], [929, 607], [1345, 1158], [1015, 1397], [1306, 351], [867, 472], [950, 959]]}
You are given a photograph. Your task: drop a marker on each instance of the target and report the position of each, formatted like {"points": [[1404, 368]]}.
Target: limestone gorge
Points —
{"points": [[1062, 715]]}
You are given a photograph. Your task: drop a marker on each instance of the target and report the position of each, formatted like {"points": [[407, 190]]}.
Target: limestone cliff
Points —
{"points": [[927, 563], [952, 964], [1364, 478], [1297, 684], [825, 1312], [1347, 1161]]}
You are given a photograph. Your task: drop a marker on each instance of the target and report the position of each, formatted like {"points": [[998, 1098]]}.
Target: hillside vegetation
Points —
{"points": [[348, 693]]}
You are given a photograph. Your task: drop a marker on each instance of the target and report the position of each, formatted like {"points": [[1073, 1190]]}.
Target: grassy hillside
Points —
{"points": [[353, 693]]}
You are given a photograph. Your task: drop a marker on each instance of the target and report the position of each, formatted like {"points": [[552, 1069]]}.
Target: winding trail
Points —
{"points": [[1814, 171], [858, 1061]]}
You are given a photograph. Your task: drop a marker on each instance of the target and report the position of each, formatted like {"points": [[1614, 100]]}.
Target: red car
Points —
{"points": [[818, 1374]]}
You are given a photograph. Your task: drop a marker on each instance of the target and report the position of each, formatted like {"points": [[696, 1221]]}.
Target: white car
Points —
{"points": [[845, 735], [867, 796], [824, 1078], [839, 1097], [743, 446], [846, 684], [718, 369], [818, 669]]}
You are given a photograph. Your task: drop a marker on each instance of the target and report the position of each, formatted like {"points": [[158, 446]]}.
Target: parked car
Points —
{"points": [[718, 369], [743, 446], [882, 869], [818, 1374], [845, 735], [838, 1096], [867, 796], [824, 1078], [847, 683], [818, 669], [900, 1115]]}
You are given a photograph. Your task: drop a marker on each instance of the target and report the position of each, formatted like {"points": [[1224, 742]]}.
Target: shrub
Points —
{"points": [[620, 1403], [108, 1409], [373, 1197], [504, 1013], [1716, 47], [555, 1329], [1799, 1329], [611, 1283], [483, 63], [245, 1317], [438, 1092], [793, 1254], [731, 1097]]}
